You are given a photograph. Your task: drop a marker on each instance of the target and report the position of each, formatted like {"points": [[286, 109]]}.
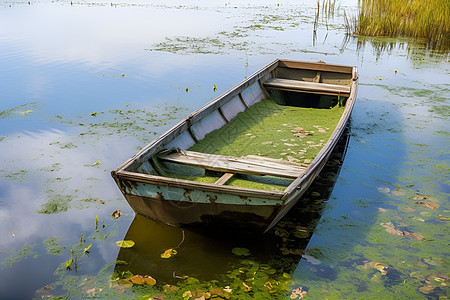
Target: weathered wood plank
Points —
{"points": [[307, 87], [315, 66], [225, 177], [231, 164]]}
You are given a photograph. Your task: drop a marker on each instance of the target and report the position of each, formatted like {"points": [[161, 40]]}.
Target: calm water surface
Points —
{"points": [[84, 85]]}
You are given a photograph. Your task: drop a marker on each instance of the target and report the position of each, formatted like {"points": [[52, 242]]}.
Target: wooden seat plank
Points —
{"points": [[307, 87], [244, 165]]}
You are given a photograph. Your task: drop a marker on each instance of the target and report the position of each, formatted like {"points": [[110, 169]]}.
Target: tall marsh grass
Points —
{"points": [[428, 19]]}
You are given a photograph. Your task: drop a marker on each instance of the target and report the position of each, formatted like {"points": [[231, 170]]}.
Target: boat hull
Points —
{"points": [[153, 193], [179, 206]]}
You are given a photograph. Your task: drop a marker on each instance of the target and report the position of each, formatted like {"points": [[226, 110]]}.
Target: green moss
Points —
{"points": [[270, 130]]}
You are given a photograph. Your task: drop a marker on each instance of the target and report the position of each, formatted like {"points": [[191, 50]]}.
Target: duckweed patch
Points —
{"points": [[26, 251], [56, 204]]}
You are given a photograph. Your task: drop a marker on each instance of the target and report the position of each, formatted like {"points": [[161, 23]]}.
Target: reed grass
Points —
{"points": [[428, 19]]}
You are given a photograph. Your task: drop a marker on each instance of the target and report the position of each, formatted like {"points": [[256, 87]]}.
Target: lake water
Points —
{"points": [[85, 84]]}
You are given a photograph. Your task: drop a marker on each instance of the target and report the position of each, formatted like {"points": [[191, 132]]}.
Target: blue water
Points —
{"points": [[94, 82]]}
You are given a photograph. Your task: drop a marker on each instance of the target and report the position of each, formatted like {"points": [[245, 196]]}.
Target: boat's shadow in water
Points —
{"points": [[207, 253]]}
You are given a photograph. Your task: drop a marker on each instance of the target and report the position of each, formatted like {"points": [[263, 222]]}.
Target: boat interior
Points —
{"points": [[262, 134]]}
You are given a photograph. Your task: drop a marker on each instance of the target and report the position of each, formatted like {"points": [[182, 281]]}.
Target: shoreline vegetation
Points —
{"points": [[419, 19]]}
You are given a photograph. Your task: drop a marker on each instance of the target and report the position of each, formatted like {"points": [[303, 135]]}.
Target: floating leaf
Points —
{"points": [[428, 204], [298, 293], [187, 89], [398, 192], [170, 288], [418, 197], [86, 250], [214, 88], [69, 263], [96, 163], [186, 295], [125, 243], [25, 112], [100, 201], [137, 279], [241, 251], [116, 214], [169, 253], [12, 233], [94, 114], [426, 289], [149, 280], [384, 190]]}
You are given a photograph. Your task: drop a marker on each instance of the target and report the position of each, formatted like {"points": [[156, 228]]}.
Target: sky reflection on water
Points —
{"points": [[95, 82]]}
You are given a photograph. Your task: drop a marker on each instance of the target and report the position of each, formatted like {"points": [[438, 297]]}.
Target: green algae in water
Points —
{"points": [[267, 129]]}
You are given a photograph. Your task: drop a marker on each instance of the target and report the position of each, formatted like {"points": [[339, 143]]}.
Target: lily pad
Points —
{"points": [[125, 243], [169, 253]]}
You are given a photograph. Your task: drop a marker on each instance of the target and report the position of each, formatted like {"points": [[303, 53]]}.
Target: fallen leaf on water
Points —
{"points": [[169, 253], [428, 204], [125, 243], [298, 293], [418, 197], [94, 113], [381, 209], [391, 229], [12, 233], [186, 295], [426, 289], [69, 263], [419, 219], [398, 192], [96, 163], [117, 213], [384, 190], [100, 201], [86, 250], [441, 217], [137, 279], [167, 288], [25, 112]]}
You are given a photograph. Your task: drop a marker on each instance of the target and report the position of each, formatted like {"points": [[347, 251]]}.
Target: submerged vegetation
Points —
{"points": [[429, 20]]}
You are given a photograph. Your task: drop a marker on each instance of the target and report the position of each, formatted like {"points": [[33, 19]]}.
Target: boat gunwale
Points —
{"points": [[188, 184], [121, 173]]}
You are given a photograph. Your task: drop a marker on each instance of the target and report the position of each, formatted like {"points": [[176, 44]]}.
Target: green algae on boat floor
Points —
{"points": [[267, 129]]}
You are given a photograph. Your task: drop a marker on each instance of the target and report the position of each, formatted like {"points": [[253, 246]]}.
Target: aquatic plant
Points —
{"points": [[411, 18]]}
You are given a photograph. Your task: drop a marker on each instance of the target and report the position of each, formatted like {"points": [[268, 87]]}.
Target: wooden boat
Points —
{"points": [[245, 158]]}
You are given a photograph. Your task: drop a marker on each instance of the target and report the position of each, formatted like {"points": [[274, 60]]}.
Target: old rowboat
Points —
{"points": [[245, 158]]}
